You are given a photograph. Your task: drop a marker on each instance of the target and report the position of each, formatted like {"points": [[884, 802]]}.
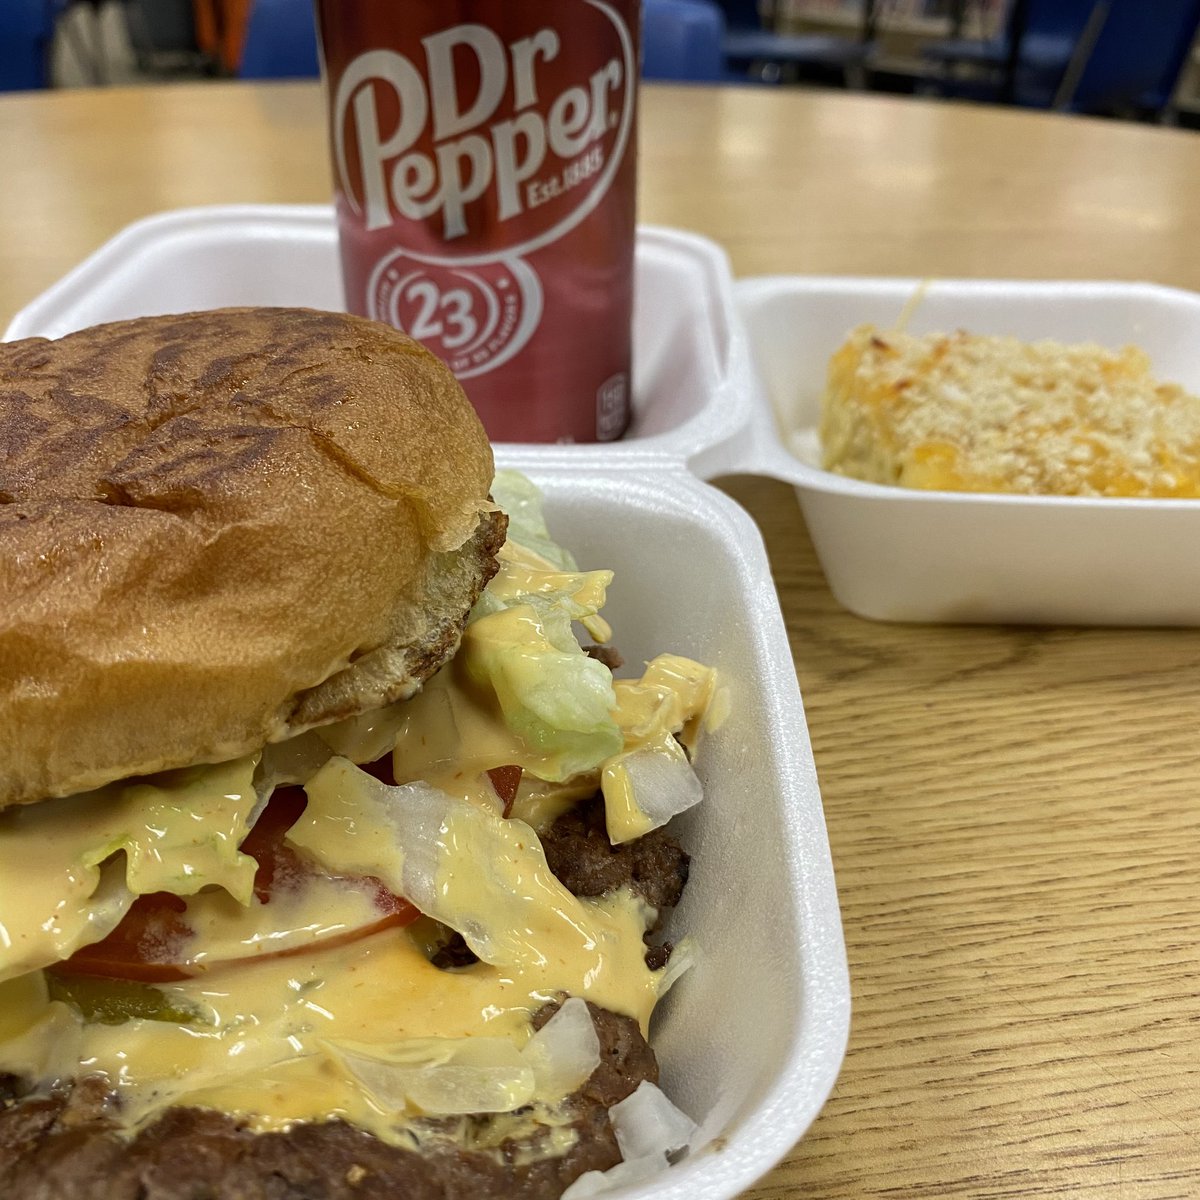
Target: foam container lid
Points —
{"points": [[728, 377], [690, 359], [750, 1041]]}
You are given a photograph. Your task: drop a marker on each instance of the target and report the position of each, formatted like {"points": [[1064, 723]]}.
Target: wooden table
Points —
{"points": [[1013, 811]]}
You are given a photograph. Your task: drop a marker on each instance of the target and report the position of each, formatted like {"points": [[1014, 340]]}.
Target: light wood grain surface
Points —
{"points": [[1012, 811]]}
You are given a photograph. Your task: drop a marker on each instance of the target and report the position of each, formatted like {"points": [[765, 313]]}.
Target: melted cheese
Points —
{"points": [[671, 697], [979, 413], [266, 1043], [179, 833], [293, 918], [476, 872]]}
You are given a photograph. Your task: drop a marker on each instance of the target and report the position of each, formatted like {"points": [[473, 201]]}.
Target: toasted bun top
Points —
{"points": [[220, 528]]}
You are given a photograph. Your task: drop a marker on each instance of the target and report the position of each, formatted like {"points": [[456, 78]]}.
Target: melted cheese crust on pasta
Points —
{"points": [[965, 412]]}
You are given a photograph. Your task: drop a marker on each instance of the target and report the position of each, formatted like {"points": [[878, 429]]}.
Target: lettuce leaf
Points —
{"points": [[521, 646], [552, 695], [520, 498]]}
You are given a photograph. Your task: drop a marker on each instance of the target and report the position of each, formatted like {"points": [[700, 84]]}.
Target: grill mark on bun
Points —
{"points": [[220, 528]]}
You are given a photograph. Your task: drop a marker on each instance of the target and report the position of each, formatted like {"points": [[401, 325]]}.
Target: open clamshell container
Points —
{"points": [[751, 1039], [904, 555], [689, 389]]}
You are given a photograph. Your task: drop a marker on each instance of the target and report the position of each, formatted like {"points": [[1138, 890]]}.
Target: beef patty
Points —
{"points": [[66, 1148]]}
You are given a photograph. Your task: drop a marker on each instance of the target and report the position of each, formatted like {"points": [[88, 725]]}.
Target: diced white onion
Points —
{"points": [[624, 1174], [649, 1130], [647, 1123], [443, 1091], [447, 1076], [647, 786], [682, 960], [664, 785], [458, 1075], [565, 1051]]}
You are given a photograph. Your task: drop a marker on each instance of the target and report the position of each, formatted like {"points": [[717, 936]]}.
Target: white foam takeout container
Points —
{"points": [[751, 1040], [905, 555]]}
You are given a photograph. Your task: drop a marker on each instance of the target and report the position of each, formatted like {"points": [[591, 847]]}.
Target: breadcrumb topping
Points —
{"points": [[964, 412]]}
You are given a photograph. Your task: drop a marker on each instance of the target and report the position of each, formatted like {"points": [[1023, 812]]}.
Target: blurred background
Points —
{"points": [[1125, 59]]}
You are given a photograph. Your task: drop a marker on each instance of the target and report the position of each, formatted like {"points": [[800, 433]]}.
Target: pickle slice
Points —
{"points": [[115, 1001]]}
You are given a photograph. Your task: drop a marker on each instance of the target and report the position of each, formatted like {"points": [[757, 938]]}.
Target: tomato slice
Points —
{"points": [[148, 944], [151, 943], [381, 769], [506, 780]]}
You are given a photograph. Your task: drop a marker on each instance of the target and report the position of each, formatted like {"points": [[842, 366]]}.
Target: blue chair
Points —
{"points": [[281, 41], [26, 31], [1136, 59], [753, 51], [681, 40], [1027, 62], [1088, 56]]}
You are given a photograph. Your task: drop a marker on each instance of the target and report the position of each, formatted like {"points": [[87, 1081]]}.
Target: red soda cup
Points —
{"points": [[484, 161]]}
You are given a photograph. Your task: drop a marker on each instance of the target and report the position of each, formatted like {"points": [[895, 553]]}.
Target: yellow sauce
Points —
{"points": [[265, 1043], [179, 833], [293, 918], [276, 1039]]}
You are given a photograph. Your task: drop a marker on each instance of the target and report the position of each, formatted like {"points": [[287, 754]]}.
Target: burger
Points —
{"points": [[332, 862]]}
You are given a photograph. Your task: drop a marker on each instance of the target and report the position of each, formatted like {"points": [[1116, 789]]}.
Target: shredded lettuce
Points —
{"points": [[553, 696], [71, 867], [520, 643], [520, 498], [181, 830]]}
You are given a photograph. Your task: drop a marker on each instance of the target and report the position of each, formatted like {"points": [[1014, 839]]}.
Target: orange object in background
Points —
{"points": [[221, 29]]}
